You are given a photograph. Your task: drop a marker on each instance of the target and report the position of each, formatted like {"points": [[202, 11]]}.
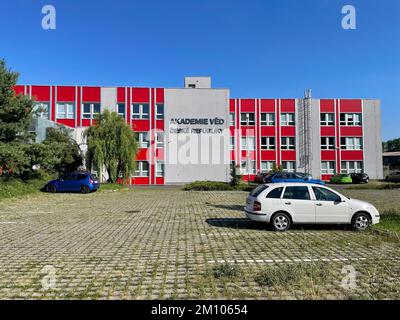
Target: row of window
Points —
{"points": [[346, 143], [303, 193], [288, 119], [267, 143], [90, 110], [327, 167], [143, 140], [142, 169]]}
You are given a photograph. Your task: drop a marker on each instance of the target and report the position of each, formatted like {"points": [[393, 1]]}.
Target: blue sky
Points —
{"points": [[264, 48]]}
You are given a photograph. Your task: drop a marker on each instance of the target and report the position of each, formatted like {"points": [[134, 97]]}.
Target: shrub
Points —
{"points": [[226, 270], [217, 186]]}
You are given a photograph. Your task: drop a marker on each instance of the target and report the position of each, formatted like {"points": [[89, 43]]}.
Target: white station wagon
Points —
{"points": [[284, 204]]}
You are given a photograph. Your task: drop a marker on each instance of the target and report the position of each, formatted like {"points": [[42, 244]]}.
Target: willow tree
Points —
{"points": [[111, 145]]}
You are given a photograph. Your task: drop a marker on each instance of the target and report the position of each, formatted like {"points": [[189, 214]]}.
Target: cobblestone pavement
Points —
{"points": [[167, 244]]}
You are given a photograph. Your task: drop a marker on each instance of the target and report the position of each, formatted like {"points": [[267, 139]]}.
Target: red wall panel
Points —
{"points": [[160, 95], [288, 131], [140, 125], [288, 105], [351, 131], [288, 155], [67, 122], [268, 155], [19, 90], [327, 106], [347, 105], [328, 155], [66, 94], [247, 105], [140, 95], [248, 131], [121, 95], [267, 131], [41, 93], [352, 155], [327, 131], [268, 105], [91, 94]]}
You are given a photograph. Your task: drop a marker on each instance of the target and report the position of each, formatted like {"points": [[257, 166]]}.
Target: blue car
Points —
{"points": [[291, 177], [74, 182]]}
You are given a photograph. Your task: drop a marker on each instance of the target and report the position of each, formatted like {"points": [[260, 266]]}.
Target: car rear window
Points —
{"points": [[82, 176], [256, 192]]}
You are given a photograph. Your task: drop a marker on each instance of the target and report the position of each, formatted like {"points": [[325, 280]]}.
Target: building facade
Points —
{"points": [[198, 133]]}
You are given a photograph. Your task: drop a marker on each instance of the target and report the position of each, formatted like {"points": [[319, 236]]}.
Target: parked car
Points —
{"points": [[359, 177], [341, 178], [291, 177], [393, 177], [285, 204], [82, 182]]}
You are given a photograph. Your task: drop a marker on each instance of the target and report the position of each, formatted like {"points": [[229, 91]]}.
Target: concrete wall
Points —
{"points": [[108, 98], [199, 82], [373, 159], [196, 156]]}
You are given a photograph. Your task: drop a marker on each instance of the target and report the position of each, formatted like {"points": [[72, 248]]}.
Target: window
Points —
{"points": [[322, 194], [287, 143], [267, 119], [267, 166], [121, 109], [275, 194], [159, 140], [248, 143], [159, 111], [267, 143], [65, 111], [160, 167], [247, 119], [257, 191], [42, 109], [352, 167], [142, 169], [297, 193], [351, 143], [232, 119], [90, 110], [288, 166], [350, 119], [287, 119], [327, 143], [248, 167], [140, 111], [328, 167], [231, 143], [327, 119], [141, 138]]}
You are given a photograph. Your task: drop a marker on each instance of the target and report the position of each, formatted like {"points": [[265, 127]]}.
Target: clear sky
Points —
{"points": [[263, 48]]}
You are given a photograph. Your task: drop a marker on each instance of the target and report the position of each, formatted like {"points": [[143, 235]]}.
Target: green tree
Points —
{"points": [[276, 169], [15, 111], [391, 145], [64, 153], [235, 176], [111, 146]]}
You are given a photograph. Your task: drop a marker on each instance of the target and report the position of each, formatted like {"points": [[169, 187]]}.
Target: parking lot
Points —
{"points": [[166, 243]]}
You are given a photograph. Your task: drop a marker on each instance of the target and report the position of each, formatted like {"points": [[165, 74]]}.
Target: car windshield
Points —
{"points": [[256, 192]]}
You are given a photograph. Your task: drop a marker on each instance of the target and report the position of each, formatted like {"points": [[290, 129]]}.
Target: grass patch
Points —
{"points": [[14, 188], [288, 275], [390, 220], [375, 186], [226, 270], [217, 186]]}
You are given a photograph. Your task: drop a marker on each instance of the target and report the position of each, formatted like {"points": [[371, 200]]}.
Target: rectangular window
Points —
{"points": [[287, 119], [90, 110], [267, 143], [232, 119], [289, 166], [267, 166], [351, 143], [142, 141], [140, 111], [159, 140], [231, 143], [328, 167], [327, 143], [121, 110], [247, 119], [248, 143], [350, 119], [42, 109], [65, 111], [287, 143], [142, 169], [159, 111], [248, 167], [267, 119], [352, 167], [160, 167], [327, 119]]}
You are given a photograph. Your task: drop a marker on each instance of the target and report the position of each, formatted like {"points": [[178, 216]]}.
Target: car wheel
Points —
{"points": [[281, 222], [52, 188], [85, 189], [361, 221]]}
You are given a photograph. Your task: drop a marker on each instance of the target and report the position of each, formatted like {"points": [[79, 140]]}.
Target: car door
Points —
{"points": [[297, 201], [329, 207], [69, 183]]}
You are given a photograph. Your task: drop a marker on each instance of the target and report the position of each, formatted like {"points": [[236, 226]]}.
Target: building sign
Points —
{"points": [[202, 125]]}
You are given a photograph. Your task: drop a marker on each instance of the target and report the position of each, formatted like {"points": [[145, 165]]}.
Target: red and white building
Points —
{"points": [[343, 135]]}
